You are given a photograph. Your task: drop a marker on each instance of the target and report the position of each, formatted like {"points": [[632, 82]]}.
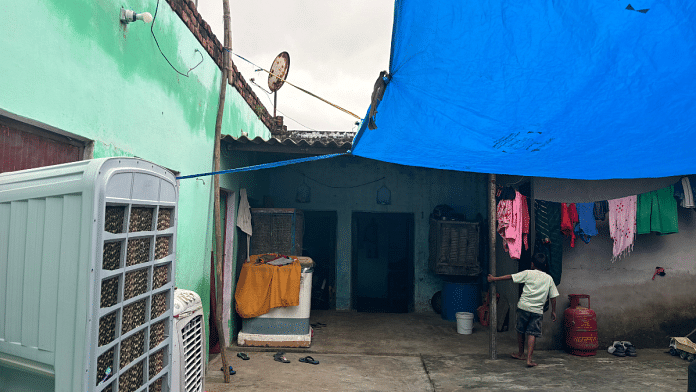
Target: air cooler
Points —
{"points": [[188, 359], [86, 276]]}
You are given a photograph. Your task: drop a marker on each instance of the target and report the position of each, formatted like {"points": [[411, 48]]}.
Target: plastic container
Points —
{"points": [[459, 297], [465, 323]]}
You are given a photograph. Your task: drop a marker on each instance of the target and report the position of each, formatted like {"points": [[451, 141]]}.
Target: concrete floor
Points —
{"points": [[423, 352]]}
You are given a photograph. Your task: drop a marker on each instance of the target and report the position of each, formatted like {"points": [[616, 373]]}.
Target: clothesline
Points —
{"points": [[654, 211]]}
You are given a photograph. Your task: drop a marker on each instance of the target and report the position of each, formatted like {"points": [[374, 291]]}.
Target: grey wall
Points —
{"points": [[413, 190]]}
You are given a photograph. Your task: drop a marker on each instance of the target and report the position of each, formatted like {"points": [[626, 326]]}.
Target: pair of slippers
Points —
{"points": [[280, 357], [622, 349]]}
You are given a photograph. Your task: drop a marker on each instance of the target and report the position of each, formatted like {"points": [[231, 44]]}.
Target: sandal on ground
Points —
{"points": [[280, 357], [232, 371], [630, 349], [617, 349], [244, 356], [309, 359]]}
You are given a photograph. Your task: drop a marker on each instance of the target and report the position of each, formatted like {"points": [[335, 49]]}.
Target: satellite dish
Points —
{"points": [[280, 68]]}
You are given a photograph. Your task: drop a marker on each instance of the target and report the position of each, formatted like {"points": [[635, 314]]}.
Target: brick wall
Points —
{"points": [[186, 10]]}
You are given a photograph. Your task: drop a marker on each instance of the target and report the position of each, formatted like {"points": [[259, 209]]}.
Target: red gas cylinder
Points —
{"points": [[580, 327]]}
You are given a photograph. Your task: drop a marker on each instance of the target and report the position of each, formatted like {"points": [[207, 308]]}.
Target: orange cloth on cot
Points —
{"points": [[262, 287]]}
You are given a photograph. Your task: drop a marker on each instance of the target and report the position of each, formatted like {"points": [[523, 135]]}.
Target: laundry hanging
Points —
{"points": [[684, 191], [586, 228], [569, 217], [656, 211], [600, 210], [513, 224], [549, 239], [622, 225]]}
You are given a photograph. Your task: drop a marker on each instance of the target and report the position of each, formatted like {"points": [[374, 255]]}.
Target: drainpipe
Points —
{"points": [[493, 324]]}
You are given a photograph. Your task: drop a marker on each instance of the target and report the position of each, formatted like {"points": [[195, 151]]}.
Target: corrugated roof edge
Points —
{"points": [[295, 145]]}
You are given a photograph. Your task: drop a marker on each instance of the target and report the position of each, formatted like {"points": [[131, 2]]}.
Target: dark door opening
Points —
{"points": [[382, 262], [319, 243]]}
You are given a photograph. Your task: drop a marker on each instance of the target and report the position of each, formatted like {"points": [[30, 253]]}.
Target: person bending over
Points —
{"points": [[538, 286]]}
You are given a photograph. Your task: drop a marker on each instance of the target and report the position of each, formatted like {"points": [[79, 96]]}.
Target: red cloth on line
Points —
{"points": [[569, 218]]}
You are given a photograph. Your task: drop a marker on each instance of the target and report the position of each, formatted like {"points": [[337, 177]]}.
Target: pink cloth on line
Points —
{"points": [[513, 224], [622, 225]]}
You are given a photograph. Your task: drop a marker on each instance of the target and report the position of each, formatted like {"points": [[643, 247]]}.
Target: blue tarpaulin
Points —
{"points": [[566, 89]]}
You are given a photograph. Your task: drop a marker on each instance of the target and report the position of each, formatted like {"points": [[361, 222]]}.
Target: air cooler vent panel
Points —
{"points": [[86, 270], [189, 351]]}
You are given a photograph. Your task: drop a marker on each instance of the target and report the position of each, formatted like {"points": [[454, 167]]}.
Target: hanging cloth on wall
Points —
{"points": [[657, 212], [513, 224], [622, 225], [587, 226], [600, 210], [549, 237], [244, 217], [569, 217]]}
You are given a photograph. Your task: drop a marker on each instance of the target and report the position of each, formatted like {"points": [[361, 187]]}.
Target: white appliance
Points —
{"points": [[188, 359], [87, 253]]}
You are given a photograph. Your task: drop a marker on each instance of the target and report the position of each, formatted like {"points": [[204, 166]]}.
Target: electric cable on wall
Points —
{"points": [[152, 27]]}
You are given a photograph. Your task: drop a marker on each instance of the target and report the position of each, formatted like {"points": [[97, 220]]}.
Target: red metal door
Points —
{"points": [[21, 150]]}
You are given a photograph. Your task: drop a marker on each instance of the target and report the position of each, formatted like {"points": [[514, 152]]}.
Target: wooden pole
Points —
{"points": [[491, 263], [216, 185]]}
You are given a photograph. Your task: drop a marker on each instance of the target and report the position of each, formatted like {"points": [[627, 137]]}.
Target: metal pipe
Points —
{"points": [[493, 324]]}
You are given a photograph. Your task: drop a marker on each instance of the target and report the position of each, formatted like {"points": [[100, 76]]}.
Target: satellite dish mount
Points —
{"points": [[277, 76]]}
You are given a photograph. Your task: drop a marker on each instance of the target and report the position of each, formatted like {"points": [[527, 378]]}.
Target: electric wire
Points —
{"points": [[341, 187], [271, 101], [297, 87], [152, 30]]}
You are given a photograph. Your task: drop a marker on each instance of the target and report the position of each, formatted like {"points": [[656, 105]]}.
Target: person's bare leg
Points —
{"points": [[520, 345], [531, 340]]}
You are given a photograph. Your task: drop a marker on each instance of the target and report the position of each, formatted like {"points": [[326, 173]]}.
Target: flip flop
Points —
{"points": [[243, 356], [280, 357], [232, 372], [309, 359]]}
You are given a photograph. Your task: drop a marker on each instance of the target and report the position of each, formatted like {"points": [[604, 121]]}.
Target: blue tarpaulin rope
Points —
{"points": [[264, 165]]}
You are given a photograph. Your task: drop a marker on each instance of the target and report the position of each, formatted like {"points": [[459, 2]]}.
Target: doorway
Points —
{"points": [[382, 262], [319, 243]]}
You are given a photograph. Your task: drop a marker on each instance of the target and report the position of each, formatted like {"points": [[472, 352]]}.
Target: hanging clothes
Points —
{"points": [[549, 239], [622, 225], [569, 217], [513, 224], [244, 218], [600, 210], [657, 212], [587, 226], [684, 191]]}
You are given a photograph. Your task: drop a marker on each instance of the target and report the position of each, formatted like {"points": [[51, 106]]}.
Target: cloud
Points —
{"points": [[337, 50]]}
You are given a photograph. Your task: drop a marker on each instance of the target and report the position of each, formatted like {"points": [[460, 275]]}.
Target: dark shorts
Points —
{"points": [[529, 323]]}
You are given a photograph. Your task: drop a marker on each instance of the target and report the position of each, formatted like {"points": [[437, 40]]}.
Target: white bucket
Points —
{"points": [[465, 322]]}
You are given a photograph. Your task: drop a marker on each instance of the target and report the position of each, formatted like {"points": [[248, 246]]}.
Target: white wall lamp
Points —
{"points": [[128, 16]]}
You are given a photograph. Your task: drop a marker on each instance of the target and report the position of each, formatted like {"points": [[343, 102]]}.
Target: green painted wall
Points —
{"points": [[74, 66]]}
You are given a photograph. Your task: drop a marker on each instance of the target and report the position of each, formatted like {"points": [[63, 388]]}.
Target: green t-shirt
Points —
{"points": [[537, 287]]}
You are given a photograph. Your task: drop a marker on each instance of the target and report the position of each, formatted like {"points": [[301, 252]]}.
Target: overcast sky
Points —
{"points": [[337, 49]]}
